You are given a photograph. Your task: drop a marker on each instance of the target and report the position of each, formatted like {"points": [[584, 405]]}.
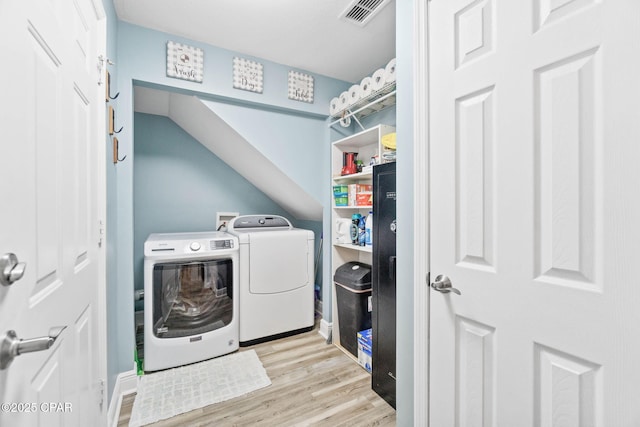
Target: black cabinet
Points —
{"points": [[383, 378]]}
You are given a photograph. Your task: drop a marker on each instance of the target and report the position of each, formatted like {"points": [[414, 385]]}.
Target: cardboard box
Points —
{"points": [[364, 199], [352, 194], [364, 349]]}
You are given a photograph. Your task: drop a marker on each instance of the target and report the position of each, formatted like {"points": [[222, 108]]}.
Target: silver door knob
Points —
{"points": [[12, 346], [10, 269], [443, 284]]}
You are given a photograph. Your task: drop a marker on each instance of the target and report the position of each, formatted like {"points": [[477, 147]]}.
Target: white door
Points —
{"points": [[535, 212], [51, 192]]}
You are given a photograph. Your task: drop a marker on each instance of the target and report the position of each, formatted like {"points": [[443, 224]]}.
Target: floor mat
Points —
{"points": [[164, 394]]}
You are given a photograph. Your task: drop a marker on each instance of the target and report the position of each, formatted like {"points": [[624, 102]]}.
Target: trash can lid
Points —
{"points": [[355, 275]]}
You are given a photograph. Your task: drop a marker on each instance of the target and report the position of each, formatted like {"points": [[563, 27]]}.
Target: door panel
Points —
{"points": [[43, 87], [567, 389], [51, 113], [533, 164], [475, 177], [48, 387], [567, 168], [476, 382]]}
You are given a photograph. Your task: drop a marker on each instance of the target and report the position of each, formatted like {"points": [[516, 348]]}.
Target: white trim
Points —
{"points": [[101, 187], [325, 329], [421, 215], [126, 383], [98, 9], [318, 307]]}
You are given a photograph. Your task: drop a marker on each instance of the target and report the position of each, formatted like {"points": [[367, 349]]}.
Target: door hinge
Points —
{"points": [[100, 393], [103, 61], [101, 230]]}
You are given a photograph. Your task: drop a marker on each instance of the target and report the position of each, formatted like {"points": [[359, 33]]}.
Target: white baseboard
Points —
{"points": [[126, 383], [325, 329]]}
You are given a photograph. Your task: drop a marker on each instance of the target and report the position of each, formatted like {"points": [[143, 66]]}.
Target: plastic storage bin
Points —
{"points": [[340, 190], [353, 297]]}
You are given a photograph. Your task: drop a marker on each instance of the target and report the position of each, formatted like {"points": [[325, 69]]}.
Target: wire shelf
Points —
{"points": [[377, 101]]}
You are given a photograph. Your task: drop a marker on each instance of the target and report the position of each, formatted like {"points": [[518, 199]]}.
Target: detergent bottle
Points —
{"points": [[362, 231], [354, 234], [369, 229]]}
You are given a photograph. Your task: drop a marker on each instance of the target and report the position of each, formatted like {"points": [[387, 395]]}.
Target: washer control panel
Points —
{"points": [[189, 244], [259, 221], [221, 244]]}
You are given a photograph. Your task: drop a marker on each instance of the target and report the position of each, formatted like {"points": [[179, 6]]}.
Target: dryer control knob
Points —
{"points": [[195, 246]]}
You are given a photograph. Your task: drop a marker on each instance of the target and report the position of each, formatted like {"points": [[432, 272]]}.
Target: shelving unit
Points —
{"points": [[352, 178], [377, 101], [367, 144], [366, 249]]}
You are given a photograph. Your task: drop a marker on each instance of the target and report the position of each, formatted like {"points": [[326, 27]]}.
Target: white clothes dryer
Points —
{"points": [[276, 277], [191, 298]]}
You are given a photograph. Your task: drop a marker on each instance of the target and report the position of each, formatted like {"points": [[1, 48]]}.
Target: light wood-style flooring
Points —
{"points": [[312, 384]]}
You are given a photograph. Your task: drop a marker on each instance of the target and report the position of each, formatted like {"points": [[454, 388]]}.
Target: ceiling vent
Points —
{"points": [[360, 12]]}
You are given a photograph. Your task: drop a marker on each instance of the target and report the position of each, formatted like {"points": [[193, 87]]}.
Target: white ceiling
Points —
{"points": [[304, 34]]}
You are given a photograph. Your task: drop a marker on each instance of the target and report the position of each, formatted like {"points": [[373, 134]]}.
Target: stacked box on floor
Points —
{"points": [[364, 349]]}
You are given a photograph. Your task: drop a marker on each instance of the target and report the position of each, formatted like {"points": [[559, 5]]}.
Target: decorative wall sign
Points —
{"points": [[185, 62], [247, 75], [300, 87]]}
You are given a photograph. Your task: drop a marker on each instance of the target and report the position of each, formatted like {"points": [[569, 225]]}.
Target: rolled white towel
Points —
{"points": [[344, 101], [390, 71], [365, 87], [334, 106], [377, 80], [354, 94]]}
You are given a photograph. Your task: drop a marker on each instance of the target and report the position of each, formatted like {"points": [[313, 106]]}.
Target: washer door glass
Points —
{"points": [[192, 298]]}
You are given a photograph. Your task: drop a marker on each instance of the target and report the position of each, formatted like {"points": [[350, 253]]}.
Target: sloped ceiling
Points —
{"points": [[192, 115]]}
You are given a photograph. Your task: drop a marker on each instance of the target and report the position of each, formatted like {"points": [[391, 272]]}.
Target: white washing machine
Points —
{"points": [[191, 298], [276, 277]]}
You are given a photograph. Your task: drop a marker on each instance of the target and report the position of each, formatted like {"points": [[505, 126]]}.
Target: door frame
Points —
{"points": [[101, 188], [421, 213]]}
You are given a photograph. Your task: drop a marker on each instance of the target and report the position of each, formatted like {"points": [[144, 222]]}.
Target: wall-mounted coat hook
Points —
{"points": [[112, 120], [107, 94], [116, 155]]}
